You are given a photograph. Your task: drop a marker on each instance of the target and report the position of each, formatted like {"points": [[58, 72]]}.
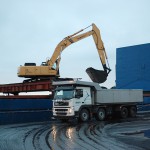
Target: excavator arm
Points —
{"points": [[95, 75], [48, 70], [99, 76]]}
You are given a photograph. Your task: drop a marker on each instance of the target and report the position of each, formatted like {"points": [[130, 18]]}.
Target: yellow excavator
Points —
{"points": [[50, 68]]}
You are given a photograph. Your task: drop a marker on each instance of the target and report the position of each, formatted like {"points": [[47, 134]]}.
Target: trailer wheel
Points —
{"points": [[132, 111], [84, 115], [101, 114], [124, 112]]}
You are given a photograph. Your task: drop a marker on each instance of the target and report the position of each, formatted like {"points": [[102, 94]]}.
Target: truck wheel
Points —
{"points": [[84, 115], [101, 114], [132, 111], [124, 112]]}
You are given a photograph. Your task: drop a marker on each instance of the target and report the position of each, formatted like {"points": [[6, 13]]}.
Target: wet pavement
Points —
{"points": [[131, 134]]}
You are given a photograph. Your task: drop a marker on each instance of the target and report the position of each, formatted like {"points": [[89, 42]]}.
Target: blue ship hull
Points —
{"points": [[25, 110]]}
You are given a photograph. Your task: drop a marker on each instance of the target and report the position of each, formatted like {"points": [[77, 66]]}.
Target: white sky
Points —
{"points": [[31, 29]]}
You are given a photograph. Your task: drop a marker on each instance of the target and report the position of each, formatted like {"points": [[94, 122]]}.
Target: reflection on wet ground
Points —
{"points": [[93, 135]]}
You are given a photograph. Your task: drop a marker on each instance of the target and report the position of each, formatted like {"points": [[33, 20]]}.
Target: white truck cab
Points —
{"points": [[68, 100]]}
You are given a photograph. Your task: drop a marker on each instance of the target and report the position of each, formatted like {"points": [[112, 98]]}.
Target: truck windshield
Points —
{"points": [[64, 94]]}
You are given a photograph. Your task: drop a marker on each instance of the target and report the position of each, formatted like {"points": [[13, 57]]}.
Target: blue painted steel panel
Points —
{"points": [[147, 133], [25, 104], [146, 100], [143, 107], [10, 117], [133, 67], [25, 110]]}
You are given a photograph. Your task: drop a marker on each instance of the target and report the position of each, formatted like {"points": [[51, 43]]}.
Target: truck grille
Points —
{"points": [[62, 112]]}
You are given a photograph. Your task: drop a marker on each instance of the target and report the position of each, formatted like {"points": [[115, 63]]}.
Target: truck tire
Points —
{"points": [[124, 112], [84, 115], [101, 114], [132, 111]]}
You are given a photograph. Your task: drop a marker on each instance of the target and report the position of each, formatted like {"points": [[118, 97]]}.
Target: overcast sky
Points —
{"points": [[31, 29]]}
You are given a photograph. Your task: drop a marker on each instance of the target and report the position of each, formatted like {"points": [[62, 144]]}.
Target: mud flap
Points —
{"points": [[98, 76]]}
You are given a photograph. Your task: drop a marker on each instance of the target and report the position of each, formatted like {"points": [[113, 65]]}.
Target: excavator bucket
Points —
{"points": [[98, 76]]}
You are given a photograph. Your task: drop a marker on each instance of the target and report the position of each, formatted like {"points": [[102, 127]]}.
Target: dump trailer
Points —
{"points": [[85, 100]]}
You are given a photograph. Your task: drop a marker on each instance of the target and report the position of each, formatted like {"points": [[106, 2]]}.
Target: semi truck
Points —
{"points": [[85, 100]]}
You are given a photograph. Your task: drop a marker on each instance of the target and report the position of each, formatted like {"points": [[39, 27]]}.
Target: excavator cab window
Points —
{"points": [[44, 64], [54, 66]]}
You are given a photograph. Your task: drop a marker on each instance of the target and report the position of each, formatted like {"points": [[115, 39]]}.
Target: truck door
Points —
{"points": [[82, 97]]}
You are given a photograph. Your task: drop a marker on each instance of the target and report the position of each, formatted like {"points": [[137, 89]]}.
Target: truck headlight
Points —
{"points": [[70, 110]]}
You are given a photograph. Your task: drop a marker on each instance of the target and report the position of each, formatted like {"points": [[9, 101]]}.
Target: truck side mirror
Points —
{"points": [[78, 93]]}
